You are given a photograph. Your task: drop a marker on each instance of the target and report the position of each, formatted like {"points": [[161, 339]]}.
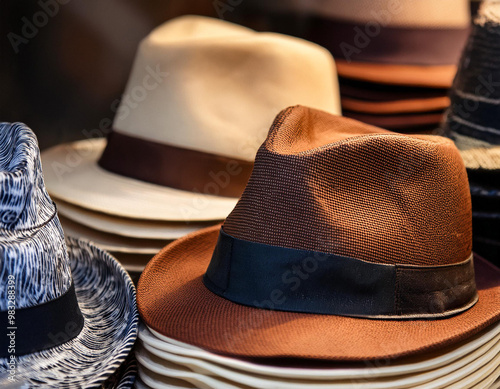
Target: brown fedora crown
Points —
{"points": [[326, 183], [379, 224]]}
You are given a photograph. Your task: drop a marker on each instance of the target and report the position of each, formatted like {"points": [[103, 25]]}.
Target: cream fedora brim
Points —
{"points": [[110, 242], [470, 370], [72, 174], [410, 365], [477, 352], [132, 228], [161, 382]]}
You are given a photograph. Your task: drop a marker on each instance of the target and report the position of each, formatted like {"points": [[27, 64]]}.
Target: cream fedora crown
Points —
{"points": [[199, 102], [215, 87]]}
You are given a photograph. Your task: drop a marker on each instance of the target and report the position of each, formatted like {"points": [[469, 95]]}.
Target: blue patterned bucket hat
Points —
{"points": [[68, 313]]}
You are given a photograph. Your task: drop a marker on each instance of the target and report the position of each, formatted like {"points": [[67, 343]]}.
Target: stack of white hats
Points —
{"points": [[168, 363]]}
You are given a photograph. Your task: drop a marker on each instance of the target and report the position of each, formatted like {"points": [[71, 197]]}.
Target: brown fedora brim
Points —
{"points": [[173, 301], [439, 76], [396, 106]]}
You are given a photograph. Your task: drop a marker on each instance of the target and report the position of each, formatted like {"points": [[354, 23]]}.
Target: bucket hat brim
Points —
{"points": [[106, 296], [173, 301], [72, 174]]}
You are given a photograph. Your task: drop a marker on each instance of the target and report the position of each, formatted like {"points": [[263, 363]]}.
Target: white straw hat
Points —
{"points": [[200, 99]]}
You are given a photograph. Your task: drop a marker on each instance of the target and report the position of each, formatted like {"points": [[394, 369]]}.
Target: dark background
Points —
{"points": [[70, 59]]}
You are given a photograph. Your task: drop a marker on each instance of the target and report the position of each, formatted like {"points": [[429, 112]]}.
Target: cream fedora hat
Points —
{"points": [[200, 99]]}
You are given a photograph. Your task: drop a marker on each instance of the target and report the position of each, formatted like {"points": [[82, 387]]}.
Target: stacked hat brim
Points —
{"points": [[474, 363], [399, 51], [227, 327], [179, 155], [410, 113], [472, 122]]}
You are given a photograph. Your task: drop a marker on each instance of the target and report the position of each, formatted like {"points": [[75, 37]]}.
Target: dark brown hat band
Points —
{"points": [[292, 280], [175, 167], [376, 42]]}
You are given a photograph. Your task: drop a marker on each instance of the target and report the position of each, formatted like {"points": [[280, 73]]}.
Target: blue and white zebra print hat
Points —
{"points": [[68, 312]]}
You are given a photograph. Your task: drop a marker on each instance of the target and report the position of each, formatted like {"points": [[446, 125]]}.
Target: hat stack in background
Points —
{"points": [[473, 123], [320, 276], [68, 308], [185, 135], [395, 59]]}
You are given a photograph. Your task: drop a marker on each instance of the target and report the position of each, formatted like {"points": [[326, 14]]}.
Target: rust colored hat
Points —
{"points": [[349, 243]]}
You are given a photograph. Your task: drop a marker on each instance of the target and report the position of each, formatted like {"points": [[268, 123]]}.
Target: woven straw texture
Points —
{"points": [[358, 191]]}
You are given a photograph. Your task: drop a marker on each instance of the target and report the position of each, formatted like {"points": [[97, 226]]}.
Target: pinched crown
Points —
{"points": [[326, 183]]}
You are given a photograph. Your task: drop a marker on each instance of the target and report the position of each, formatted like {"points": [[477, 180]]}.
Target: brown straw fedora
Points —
{"points": [[349, 243]]}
